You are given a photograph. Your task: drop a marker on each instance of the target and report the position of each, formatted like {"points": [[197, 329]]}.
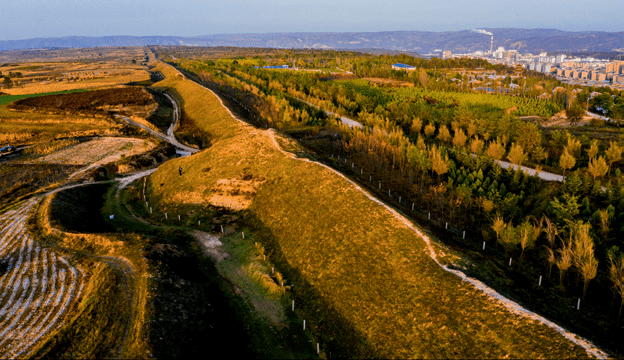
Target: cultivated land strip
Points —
{"points": [[492, 294], [38, 289]]}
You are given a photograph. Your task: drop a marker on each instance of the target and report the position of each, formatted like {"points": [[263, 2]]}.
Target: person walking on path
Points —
{"points": [[180, 170]]}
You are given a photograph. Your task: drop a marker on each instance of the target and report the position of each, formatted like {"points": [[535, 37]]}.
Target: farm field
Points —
{"points": [[60, 70], [39, 287], [97, 151], [314, 243]]}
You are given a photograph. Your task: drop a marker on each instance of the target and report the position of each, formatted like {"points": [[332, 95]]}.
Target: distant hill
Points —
{"points": [[423, 42]]}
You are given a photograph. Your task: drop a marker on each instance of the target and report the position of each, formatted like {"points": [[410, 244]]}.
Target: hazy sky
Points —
{"points": [[23, 19]]}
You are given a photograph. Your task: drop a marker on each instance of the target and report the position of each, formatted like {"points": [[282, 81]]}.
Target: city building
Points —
{"points": [[399, 66], [446, 54]]}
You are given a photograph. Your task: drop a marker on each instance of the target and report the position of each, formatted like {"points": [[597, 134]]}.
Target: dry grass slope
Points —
{"points": [[346, 253]]}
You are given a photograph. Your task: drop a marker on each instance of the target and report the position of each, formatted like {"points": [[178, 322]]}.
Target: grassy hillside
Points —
{"points": [[362, 278]]}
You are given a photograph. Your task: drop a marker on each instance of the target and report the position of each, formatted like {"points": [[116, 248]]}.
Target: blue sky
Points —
{"points": [[25, 19]]}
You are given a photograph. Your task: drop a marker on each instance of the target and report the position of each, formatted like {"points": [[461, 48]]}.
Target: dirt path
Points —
{"points": [[176, 115], [171, 140]]}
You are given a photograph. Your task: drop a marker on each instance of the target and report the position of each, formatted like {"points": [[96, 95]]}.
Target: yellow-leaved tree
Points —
{"points": [[597, 167], [574, 146], [416, 126], [476, 146], [430, 129], [516, 154], [460, 138], [495, 150], [567, 161], [584, 259], [593, 149], [439, 162], [614, 153], [443, 134]]}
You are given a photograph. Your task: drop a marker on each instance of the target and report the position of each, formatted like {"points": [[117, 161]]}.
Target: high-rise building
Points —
{"points": [[560, 58], [446, 54]]}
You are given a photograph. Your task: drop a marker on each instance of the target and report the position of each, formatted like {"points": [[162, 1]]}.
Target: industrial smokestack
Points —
{"points": [[481, 31]]}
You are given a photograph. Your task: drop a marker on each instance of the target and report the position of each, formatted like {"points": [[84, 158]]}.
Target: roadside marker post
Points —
{"points": [[179, 218], [578, 304], [303, 324], [509, 261], [446, 226], [243, 234], [221, 229], [293, 305], [540, 281], [318, 348], [464, 236], [166, 216], [399, 199], [150, 210], [429, 216], [412, 206], [484, 245]]}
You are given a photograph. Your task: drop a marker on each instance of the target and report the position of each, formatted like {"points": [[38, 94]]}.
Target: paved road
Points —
{"points": [[345, 120], [541, 174], [184, 150]]}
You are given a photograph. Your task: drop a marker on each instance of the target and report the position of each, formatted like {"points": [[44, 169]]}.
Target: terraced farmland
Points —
{"points": [[37, 289]]}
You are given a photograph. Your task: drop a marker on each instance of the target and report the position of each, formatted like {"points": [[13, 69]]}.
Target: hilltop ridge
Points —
{"points": [[523, 40]]}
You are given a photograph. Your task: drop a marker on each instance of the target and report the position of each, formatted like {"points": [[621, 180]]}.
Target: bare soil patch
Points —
{"points": [[561, 120], [211, 245], [98, 151], [234, 194]]}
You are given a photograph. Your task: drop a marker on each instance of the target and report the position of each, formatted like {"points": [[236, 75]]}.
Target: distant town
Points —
{"points": [[587, 71]]}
